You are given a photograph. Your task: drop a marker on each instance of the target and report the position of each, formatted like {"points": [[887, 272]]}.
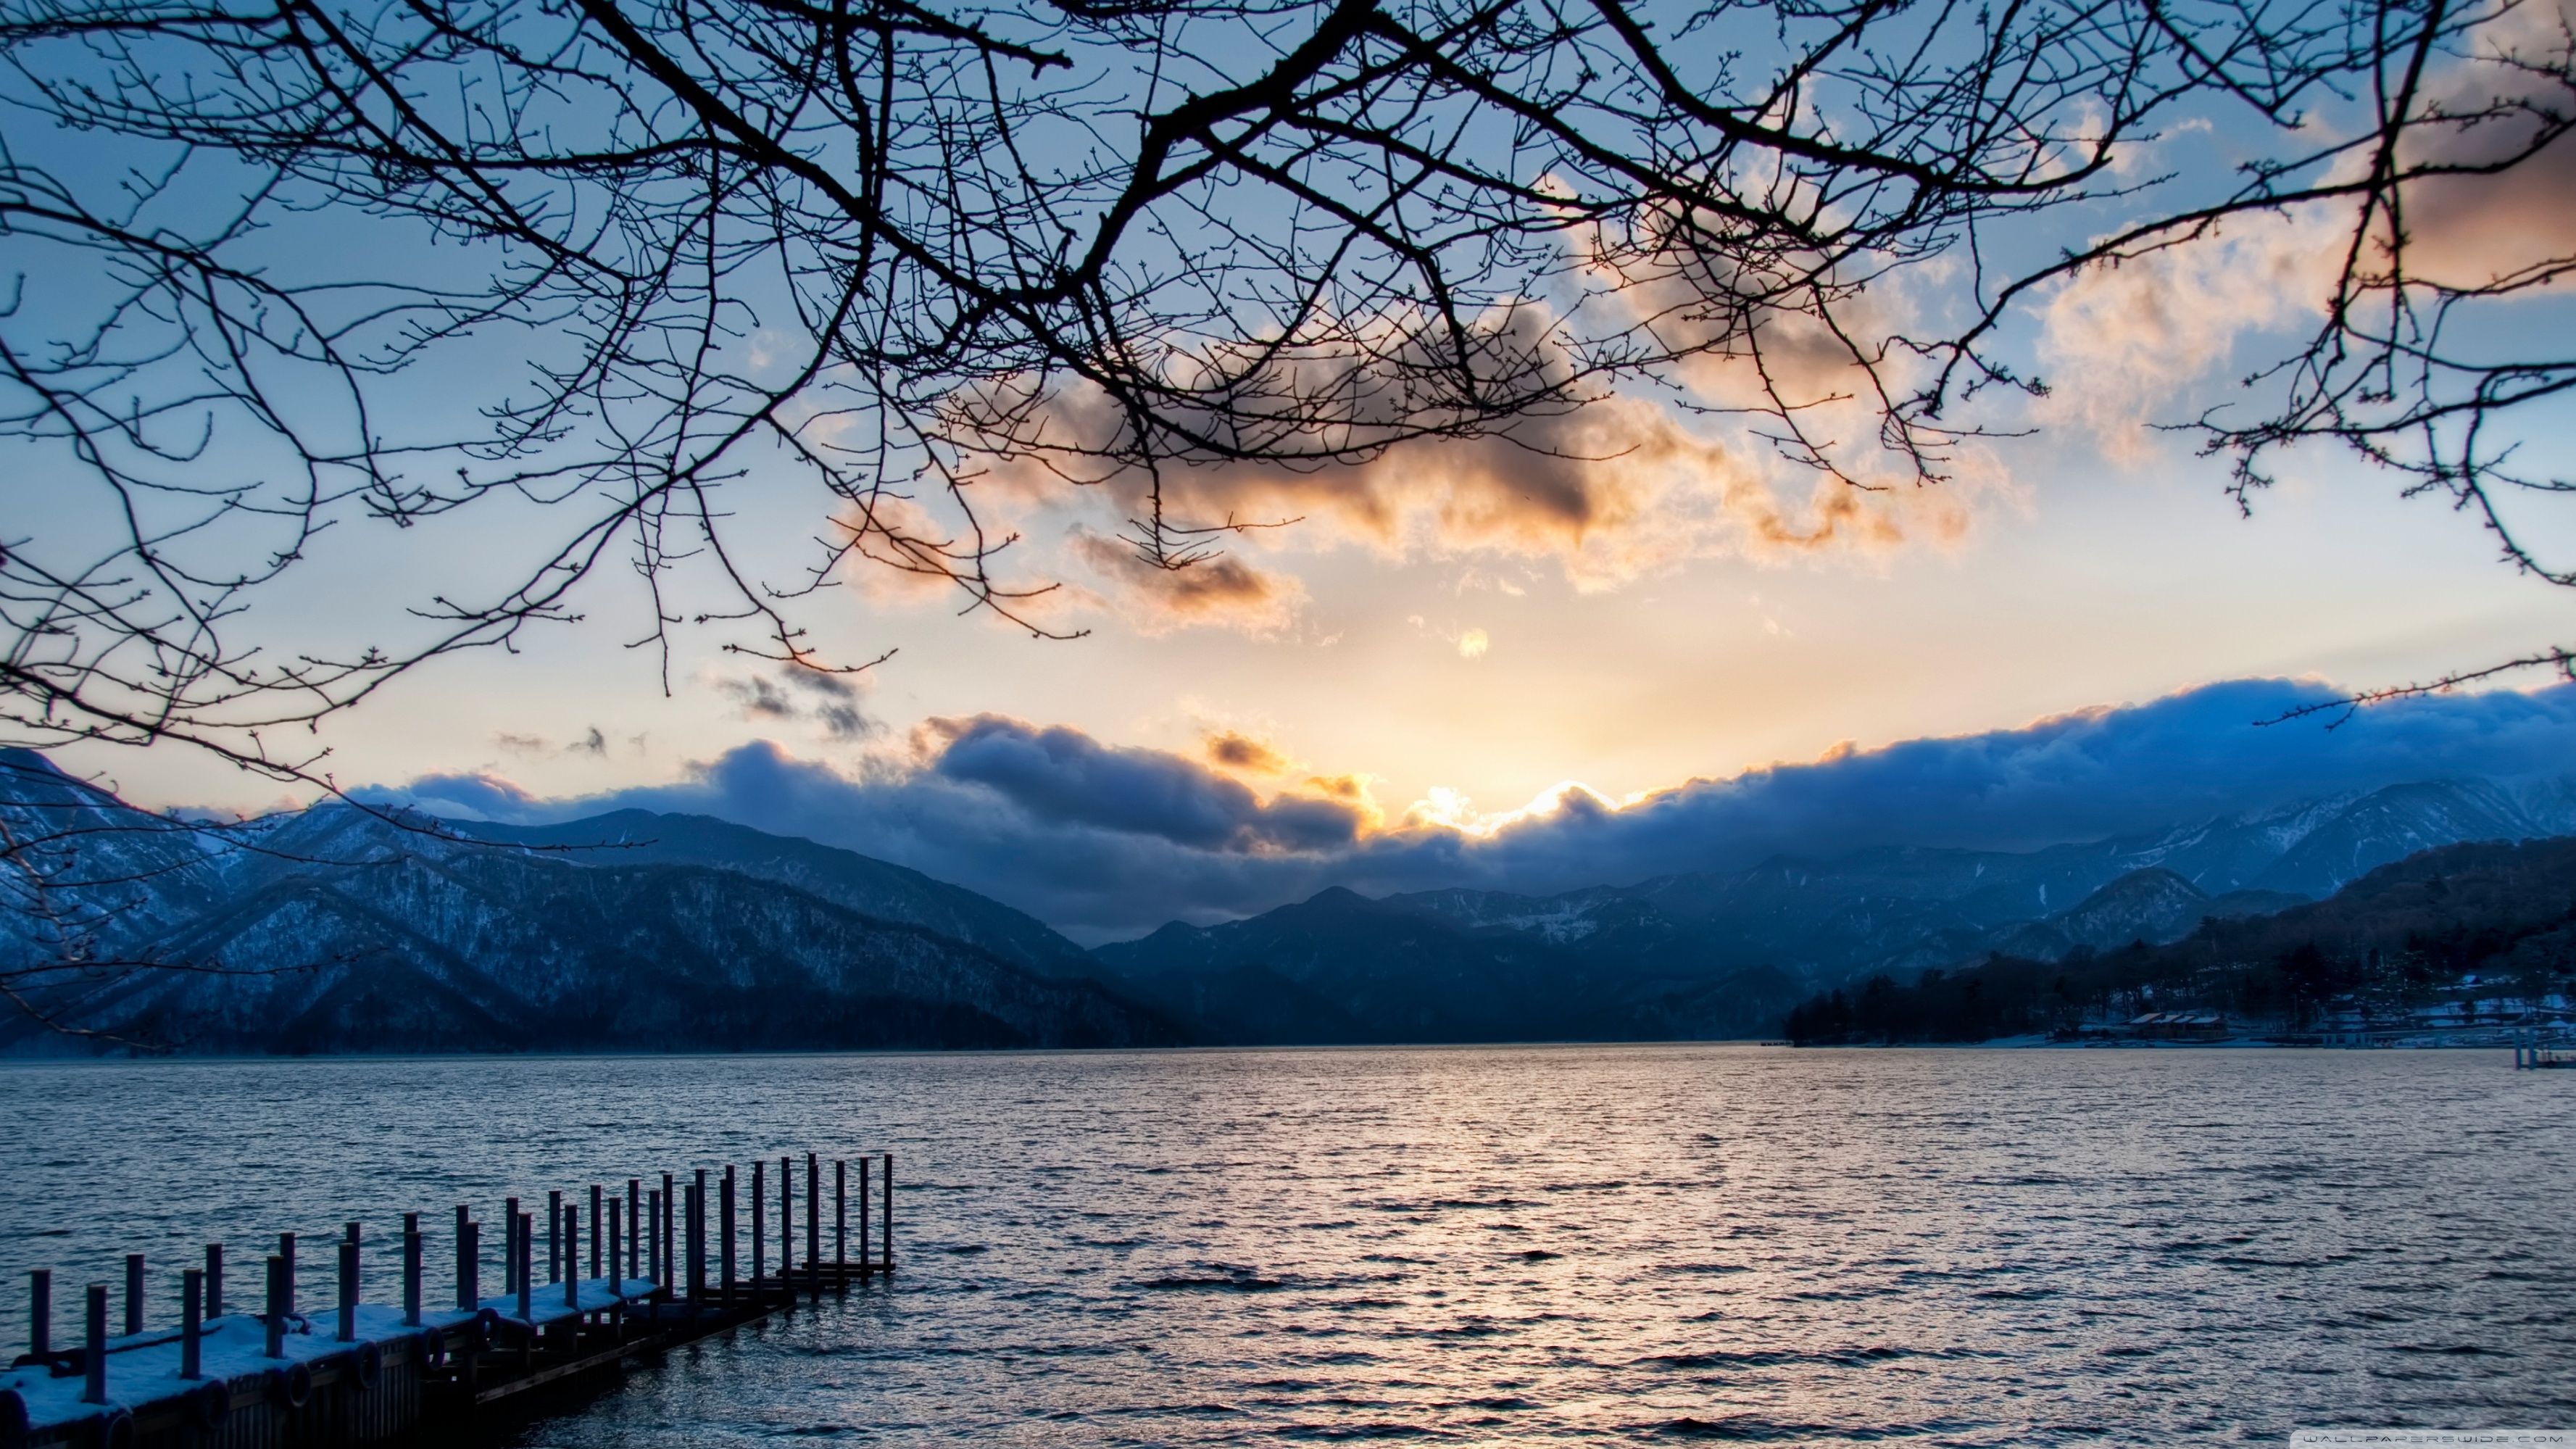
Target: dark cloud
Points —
{"points": [[1104, 841], [759, 698], [826, 698], [1238, 751], [1065, 777]]}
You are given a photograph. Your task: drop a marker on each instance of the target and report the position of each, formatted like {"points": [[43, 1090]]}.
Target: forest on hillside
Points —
{"points": [[2504, 914]]}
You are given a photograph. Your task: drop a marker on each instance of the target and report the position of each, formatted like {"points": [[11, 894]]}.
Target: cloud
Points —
{"points": [[2123, 345], [1223, 591], [1235, 750], [1104, 840], [2120, 345], [1473, 644], [2473, 230], [824, 698], [1344, 442], [1064, 777]]}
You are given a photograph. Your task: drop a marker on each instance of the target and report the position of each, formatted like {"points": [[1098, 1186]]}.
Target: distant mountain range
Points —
{"points": [[333, 930], [337, 931], [1724, 953], [2420, 947]]}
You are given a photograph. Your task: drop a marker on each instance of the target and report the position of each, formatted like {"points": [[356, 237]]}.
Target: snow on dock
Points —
{"points": [[357, 1373]]}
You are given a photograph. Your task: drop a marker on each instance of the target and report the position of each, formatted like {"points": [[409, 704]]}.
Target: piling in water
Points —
{"points": [[349, 1286], [94, 1348], [724, 1235], [133, 1293], [278, 1295], [411, 1247], [192, 1323]]}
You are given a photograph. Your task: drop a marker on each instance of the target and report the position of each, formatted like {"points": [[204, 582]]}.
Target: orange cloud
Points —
{"points": [[1612, 488], [1222, 591], [1237, 751]]}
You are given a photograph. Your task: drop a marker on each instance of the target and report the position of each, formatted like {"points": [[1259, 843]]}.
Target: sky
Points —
{"points": [[1643, 611]]}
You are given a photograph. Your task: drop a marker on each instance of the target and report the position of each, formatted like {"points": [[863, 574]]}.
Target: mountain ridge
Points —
{"points": [[342, 928], [1722, 953], [337, 929]]}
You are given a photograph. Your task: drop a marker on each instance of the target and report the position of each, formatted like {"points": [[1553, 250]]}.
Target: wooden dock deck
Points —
{"points": [[362, 1373]]}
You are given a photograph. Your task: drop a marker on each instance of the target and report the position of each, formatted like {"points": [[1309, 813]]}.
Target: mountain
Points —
{"points": [[335, 930], [2488, 926], [1723, 953], [2153, 905], [111, 874], [846, 878], [1341, 968], [1900, 908]]}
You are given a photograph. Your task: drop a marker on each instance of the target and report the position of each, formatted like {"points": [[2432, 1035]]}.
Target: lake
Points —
{"points": [[1623, 1243]]}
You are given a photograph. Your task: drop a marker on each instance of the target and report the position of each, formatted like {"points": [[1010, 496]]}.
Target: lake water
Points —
{"points": [[1943, 1247]]}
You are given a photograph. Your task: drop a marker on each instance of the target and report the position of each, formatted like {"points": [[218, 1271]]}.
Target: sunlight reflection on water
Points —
{"points": [[1954, 1247]]}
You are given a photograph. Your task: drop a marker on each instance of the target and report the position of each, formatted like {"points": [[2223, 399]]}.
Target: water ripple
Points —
{"points": [[1627, 1244]]}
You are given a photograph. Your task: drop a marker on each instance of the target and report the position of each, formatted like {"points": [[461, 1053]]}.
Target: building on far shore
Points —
{"points": [[2178, 1026]]}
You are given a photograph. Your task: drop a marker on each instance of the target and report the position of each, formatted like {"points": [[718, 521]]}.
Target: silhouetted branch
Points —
{"points": [[596, 276]]}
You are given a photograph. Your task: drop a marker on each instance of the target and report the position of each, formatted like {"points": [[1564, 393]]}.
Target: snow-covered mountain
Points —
{"points": [[1717, 953], [337, 930], [1897, 908]]}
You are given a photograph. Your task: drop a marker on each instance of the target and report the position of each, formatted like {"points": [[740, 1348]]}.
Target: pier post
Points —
{"points": [[653, 1252], [634, 1228], [411, 1270], [279, 1295], [349, 1286], [94, 1348], [698, 1236], [133, 1293], [214, 1280], [526, 1266], [670, 1239], [510, 1245], [814, 1222], [759, 1221], [615, 1239], [841, 1216], [286, 1255], [572, 1248], [865, 1262], [469, 1260], [786, 1222], [554, 1236], [40, 1312], [688, 1250], [192, 1323], [595, 1221], [724, 1253], [887, 1236]]}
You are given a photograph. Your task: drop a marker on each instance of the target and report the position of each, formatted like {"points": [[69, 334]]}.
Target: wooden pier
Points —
{"points": [[622, 1276]]}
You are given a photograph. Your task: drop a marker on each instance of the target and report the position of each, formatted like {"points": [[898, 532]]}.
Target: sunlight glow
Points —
{"points": [[1445, 808]]}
